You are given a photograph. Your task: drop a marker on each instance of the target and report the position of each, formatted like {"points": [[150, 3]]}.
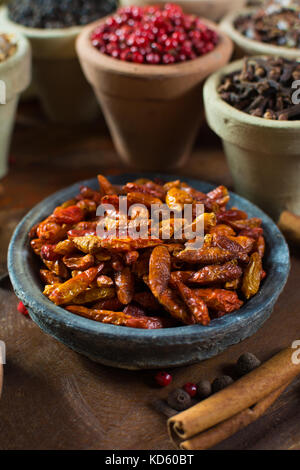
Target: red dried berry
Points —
{"points": [[163, 379], [190, 388], [154, 35], [22, 309]]}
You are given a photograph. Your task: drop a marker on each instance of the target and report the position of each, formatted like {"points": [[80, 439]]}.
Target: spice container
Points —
{"points": [[259, 37], [1, 378], [15, 75], [58, 80], [153, 111], [262, 153], [211, 9]]}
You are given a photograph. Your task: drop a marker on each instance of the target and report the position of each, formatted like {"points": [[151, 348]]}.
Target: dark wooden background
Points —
{"points": [[55, 399]]}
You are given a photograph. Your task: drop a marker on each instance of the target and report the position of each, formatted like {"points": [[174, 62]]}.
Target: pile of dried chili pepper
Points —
{"points": [[149, 282]]}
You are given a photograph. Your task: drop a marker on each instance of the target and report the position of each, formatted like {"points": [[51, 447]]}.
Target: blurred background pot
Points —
{"points": [[1, 379], [153, 111], [211, 9], [263, 155], [15, 73], [57, 76], [245, 46]]}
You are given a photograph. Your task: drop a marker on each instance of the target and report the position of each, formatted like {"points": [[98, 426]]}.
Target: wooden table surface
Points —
{"points": [[54, 398]]}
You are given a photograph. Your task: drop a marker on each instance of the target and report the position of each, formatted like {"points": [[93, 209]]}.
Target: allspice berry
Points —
{"points": [[179, 399], [204, 389], [246, 363], [221, 382]]}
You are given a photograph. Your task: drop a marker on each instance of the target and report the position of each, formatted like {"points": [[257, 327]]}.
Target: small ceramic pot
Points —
{"points": [[263, 155], [245, 46], [57, 76], [153, 111], [211, 9], [15, 76]]}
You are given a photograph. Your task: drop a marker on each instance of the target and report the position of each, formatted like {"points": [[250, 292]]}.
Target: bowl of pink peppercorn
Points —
{"points": [[147, 66]]}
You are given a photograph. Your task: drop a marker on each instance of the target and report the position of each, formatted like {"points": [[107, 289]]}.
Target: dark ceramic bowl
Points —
{"points": [[130, 348]]}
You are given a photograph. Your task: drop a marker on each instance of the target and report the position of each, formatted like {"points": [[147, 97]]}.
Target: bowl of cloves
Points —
{"points": [[273, 29], [252, 106]]}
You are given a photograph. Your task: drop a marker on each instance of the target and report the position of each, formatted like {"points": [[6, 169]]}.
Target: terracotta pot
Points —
{"points": [[15, 76], [153, 112], [57, 76], [263, 155], [211, 9], [245, 46]]}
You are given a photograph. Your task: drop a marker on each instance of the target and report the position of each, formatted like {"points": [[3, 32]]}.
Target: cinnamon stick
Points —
{"points": [[227, 428], [235, 398], [289, 224]]}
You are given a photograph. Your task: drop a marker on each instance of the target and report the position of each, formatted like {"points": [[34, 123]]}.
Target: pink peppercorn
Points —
{"points": [[158, 35], [190, 388], [22, 309], [163, 378]]}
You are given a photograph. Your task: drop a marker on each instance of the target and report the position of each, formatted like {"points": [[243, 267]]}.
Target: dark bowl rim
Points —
{"points": [[191, 333]]}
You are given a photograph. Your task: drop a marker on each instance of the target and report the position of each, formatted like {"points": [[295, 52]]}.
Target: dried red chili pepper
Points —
{"points": [[124, 282], [220, 299], [69, 215], [216, 273], [66, 292], [117, 318]]}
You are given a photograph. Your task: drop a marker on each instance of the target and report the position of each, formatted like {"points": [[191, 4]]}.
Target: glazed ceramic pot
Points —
{"points": [[263, 155], [15, 76], [153, 111], [245, 46], [131, 348], [211, 9], [57, 76]]}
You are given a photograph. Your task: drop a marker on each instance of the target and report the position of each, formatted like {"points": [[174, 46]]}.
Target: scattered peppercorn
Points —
{"points": [[179, 399], [22, 309], [53, 14], [154, 35], [246, 363], [263, 88], [221, 382], [190, 388], [204, 389], [163, 379]]}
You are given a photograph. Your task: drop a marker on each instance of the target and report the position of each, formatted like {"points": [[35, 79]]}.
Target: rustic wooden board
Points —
{"points": [[55, 399]]}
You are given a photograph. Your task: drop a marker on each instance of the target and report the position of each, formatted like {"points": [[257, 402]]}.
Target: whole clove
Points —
{"points": [[273, 24], [264, 87]]}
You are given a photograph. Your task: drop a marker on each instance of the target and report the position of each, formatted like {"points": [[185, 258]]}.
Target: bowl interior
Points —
{"points": [[23, 271]]}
